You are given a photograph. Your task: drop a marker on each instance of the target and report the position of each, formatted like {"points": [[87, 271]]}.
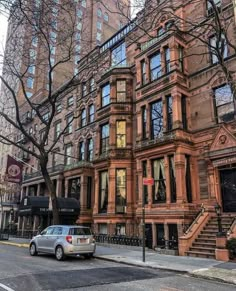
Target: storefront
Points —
{"points": [[34, 212]]}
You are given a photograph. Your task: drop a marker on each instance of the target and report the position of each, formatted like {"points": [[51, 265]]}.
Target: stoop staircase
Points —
{"points": [[205, 244]]}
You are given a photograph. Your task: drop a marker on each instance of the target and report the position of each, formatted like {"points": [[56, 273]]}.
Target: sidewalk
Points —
{"points": [[204, 268]]}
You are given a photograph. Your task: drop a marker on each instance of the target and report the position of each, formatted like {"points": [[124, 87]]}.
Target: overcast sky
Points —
{"points": [[3, 31]]}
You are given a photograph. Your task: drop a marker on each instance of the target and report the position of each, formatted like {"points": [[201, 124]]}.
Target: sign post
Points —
{"points": [[146, 181]]}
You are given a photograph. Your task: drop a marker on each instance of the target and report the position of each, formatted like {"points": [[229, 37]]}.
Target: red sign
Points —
{"points": [[13, 170], [148, 181]]}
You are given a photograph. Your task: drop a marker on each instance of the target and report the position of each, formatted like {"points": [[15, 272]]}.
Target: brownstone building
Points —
{"points": [[154, 109], [71, 29]]}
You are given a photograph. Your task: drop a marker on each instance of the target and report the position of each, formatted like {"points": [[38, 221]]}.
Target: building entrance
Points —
{"points": [[228, 189]]}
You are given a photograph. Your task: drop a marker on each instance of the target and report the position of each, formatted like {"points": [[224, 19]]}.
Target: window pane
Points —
{"points": [[223, 95], [103, 197], [157, 119], [106, 95], [159, 188], [121, 134], [118, 55], [120, 190], [155, 66]]}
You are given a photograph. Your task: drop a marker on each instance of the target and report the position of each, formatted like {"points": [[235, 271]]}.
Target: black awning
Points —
{"points": [[39, 205]]}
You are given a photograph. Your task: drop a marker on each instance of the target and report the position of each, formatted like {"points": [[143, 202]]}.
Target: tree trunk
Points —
{"points": [[51, 192], [1, 229]]}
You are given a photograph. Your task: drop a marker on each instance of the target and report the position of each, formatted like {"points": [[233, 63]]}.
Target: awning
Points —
{"points": [[39, 205]]}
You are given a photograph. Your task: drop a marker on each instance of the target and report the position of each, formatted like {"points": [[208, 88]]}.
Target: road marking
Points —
{"points": [[6, 287]]}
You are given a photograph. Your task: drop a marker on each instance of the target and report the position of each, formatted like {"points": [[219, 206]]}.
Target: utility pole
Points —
{"points": [[146, 181], [143, 220]]}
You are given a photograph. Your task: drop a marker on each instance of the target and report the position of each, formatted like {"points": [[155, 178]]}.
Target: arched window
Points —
{"points": [[106, 17], [83, 117], [99, 12]]}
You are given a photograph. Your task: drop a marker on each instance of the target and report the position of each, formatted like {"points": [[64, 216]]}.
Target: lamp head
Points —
{"points": [[217, 208]]}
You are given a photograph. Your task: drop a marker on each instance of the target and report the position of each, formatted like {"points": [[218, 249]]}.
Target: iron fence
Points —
{"points": [[25, 233], [118, 239]]}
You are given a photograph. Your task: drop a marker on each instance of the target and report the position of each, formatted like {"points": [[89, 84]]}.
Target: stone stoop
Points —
{"points": [[205, 244]]}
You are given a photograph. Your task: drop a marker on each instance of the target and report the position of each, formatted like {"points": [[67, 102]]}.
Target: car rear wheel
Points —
{"points": [[33, 250], [88, 256], [60, 256]]}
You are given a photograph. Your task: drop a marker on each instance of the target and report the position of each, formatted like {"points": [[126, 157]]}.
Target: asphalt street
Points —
{"points": [[21, 272]]}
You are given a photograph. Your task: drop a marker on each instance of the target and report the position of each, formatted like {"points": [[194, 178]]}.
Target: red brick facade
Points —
{"points": [[165, 127]]}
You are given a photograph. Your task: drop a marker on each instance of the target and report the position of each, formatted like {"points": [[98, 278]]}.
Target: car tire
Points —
{"points": [[33, 249], [88, 256], [59, 253]]}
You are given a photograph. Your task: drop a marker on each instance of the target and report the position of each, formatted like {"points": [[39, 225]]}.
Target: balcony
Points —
{"points": [[55, 169], [80, 164], [115, 154], [118, 66], [154, 40], [162, 138]]}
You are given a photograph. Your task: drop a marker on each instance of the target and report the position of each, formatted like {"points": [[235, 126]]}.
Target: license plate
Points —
{"points": [[82, 240]]}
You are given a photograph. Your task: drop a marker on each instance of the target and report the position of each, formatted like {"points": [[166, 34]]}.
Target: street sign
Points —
{"points": [[148, 181]]}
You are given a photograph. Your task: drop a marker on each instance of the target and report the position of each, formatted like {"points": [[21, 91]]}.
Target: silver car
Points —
{"points": [[64, 240]]}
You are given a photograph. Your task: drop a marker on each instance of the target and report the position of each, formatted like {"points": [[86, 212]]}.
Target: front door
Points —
{"points": [[148, 233], [228, 189]]}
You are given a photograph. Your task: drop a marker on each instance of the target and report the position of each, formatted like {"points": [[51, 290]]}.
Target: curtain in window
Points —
{"points": [[104, 190], [156, 172]]}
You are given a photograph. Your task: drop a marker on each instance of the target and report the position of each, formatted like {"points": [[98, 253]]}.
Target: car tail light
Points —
{"points": [[69, 239]]}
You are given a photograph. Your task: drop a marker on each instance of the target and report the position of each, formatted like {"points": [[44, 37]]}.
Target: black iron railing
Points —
{"points": [[25, 233], [57, 168], [118, 239]]}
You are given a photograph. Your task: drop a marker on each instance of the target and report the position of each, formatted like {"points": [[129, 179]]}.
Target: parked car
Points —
{"points": [[64, 240]]}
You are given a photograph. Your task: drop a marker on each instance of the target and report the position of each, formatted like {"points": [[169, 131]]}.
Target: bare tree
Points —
{"points": [[207, 28], [42, 48]]}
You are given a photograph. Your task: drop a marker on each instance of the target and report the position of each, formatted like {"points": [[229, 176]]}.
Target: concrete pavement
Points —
{"points": [[204, 268]]}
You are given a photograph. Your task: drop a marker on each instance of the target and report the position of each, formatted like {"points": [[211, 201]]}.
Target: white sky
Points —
{"points": [[3, 31]]}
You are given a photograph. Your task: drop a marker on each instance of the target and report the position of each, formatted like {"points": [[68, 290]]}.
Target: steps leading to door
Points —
{"points": [[205, 243]]}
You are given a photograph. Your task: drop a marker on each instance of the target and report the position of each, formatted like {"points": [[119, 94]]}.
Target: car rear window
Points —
{"points": [[79, 231]]}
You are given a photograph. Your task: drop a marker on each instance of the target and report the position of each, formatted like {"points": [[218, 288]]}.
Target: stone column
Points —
{"points": [[177, 110], [83, 192], [27, 191], [96, 193], [35, 223], [167, 175], [180, 178], [164, 112], [38, 189], [111, 209], [166, 231], [154, 235], [19, 226]]}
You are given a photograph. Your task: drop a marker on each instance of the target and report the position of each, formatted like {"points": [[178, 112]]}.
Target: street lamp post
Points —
{"points": [[218, 213], [143, 220]]}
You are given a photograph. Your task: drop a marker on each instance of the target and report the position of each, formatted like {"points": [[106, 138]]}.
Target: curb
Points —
{"points": [[19, 245], [140, 266], [210, 278]]}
